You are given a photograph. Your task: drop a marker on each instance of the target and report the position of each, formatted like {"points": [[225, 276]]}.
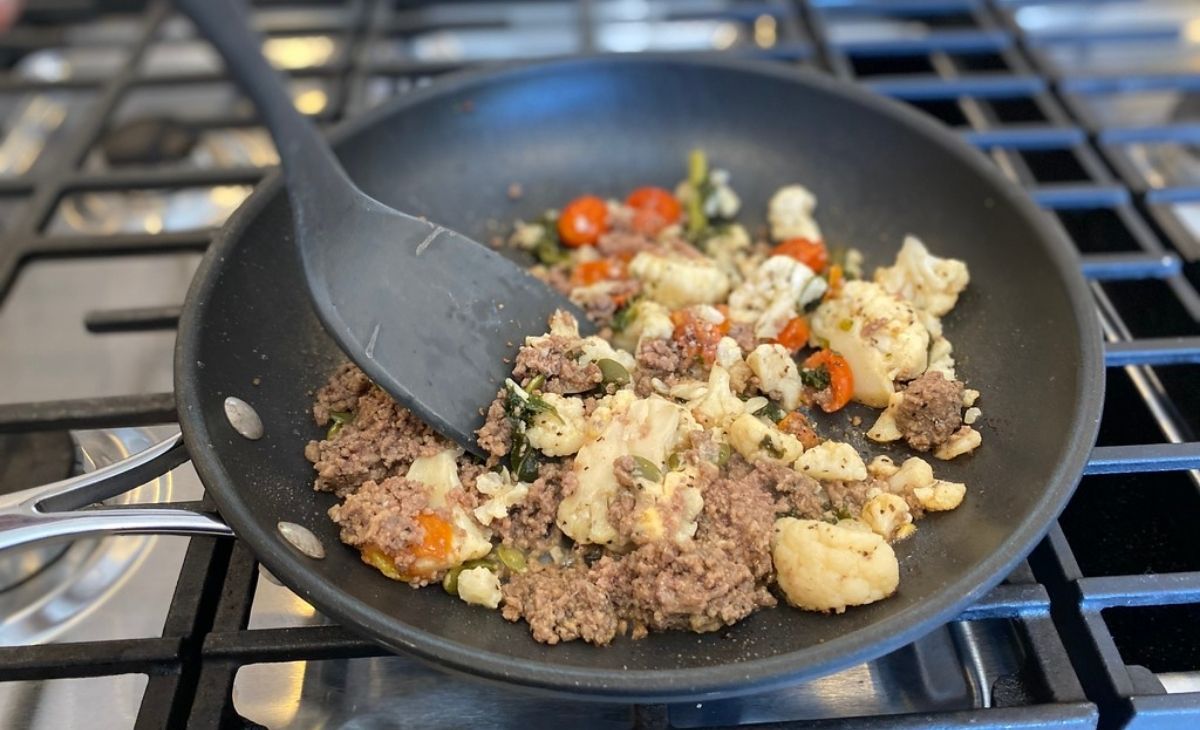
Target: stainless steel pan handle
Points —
{"points": [[54, 512]]}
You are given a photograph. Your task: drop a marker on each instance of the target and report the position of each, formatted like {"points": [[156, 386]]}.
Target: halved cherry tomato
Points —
{"points": [[812, 254], [591, 272], [841, 379], [583, 221], [697, 337], [653, 209], [794, 334]]}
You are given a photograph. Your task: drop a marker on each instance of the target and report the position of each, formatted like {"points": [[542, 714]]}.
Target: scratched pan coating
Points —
{"points": [[1024, 335]]}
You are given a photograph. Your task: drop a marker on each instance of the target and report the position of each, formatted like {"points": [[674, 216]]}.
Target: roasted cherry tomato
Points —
{"points": [[696, 336], [591, 272], [794, 334], [841, 379], [653, 209], [812, 254], [583, 221]]}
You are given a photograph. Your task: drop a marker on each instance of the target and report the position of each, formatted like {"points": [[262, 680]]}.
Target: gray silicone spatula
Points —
{"points": [[428, 314]]}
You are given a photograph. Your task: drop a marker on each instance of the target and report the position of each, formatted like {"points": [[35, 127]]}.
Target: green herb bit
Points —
{"points": [[340, 419], [511, 558], [769, 446], [549, 252], [613, 371], [675, 461], [772, 412], [536, 404], [697, 168], [523, 460], [815, 378], [845, 325], [536, 383], [723, 454], [624, 316], [647, 469]]}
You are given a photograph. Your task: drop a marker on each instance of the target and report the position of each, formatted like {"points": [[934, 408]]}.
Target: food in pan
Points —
{"points": [[668, 473]]}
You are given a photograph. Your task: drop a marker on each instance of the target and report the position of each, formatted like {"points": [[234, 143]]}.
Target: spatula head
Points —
{"points": [[431, 316]]}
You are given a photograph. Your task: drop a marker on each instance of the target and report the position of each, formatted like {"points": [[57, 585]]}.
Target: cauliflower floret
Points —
{"points": [[882, 467], [715, 406], [913, 474], [755, 439], [930, 283], [880, 336], [622, 425], [941, 496], [824, 567], [888, 515], [777, 374], [941, 359], [790, 213], [480, 587], [773, 294], [597, 348], [722, 202], [677, 282], [971, 415], [729, 248], [729, 356], [676, 500], [648, 320], [560, 433], [885, 429], [963, 441], [832, 460], [502, 492], [527, 235]]}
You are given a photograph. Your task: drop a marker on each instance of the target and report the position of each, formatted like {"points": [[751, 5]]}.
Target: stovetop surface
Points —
{"points": [[122, 147]]}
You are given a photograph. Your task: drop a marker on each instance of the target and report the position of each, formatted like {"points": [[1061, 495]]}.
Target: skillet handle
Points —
{"points": [[44, 514]]}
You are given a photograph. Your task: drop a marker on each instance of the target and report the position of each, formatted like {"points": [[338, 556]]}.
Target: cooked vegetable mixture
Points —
{"points": [[666, 474]]}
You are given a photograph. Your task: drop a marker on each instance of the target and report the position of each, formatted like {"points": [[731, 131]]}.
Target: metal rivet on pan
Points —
{"points": [[302, 539], [243, 418]]}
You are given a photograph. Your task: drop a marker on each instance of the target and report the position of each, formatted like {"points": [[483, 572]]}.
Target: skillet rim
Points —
{"points": [[719, 680]]}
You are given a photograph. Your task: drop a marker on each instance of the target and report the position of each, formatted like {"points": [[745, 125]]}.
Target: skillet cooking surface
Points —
{"points": [[1024, 335]]}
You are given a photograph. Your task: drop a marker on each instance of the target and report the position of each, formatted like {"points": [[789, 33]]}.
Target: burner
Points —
{"points": [[28, 460], [47, 589]]}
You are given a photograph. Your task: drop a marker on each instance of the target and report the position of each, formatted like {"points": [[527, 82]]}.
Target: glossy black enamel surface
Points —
{"points": [[1023, 333]]}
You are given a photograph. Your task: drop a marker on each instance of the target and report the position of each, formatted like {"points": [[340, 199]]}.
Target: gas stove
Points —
{"points": [[123, 146]]}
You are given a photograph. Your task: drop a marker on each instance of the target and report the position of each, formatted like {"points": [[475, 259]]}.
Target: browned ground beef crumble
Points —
{"points": [[930, 411]]}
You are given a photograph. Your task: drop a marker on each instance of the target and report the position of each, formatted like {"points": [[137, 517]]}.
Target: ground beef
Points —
{"points": [[561, 604], [739, 514], [495, 436], [698, 586], [557, 278], [797, 425], [383, 514], [380, 441], [601, 303], [846, 499], [341, 393], [531, 524], [743, 334], [557, 357], [930, 411], [658, 358], [622, 507]]}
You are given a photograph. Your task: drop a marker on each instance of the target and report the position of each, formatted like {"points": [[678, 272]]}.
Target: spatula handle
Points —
{"points": [[310, 165]]}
